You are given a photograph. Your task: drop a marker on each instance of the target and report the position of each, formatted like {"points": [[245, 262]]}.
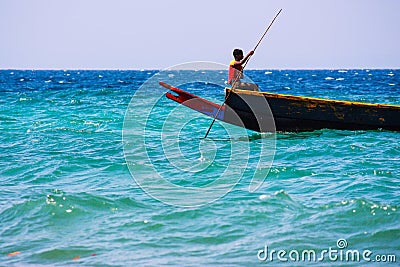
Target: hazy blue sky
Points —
{"points": [[154, 34]]}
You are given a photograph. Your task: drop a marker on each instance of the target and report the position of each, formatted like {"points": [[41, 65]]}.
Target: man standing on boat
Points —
{"points": [[236, 71]]}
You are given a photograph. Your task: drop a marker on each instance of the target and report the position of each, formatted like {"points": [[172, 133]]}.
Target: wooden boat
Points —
{"points": [[266, 112]]}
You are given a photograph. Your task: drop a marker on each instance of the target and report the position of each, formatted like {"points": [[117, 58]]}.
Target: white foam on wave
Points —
{"points": [[96, 124], [339, 79], [329, 78], [391, 74], [268, 72], [342, 71]]}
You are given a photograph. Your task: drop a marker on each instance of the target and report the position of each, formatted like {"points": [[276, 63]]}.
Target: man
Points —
{"points": [[236, 71]]}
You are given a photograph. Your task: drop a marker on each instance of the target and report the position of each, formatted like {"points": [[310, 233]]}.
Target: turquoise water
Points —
{"points": [[68, 196]]}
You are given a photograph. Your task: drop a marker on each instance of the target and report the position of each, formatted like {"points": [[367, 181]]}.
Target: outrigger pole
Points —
{"points": [[237, 77]]}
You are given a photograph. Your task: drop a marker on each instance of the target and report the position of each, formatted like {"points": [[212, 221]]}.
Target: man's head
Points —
{"points": [[238, 54]]}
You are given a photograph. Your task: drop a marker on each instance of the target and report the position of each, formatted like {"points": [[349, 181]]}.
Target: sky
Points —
{"points": [[156, 34]]}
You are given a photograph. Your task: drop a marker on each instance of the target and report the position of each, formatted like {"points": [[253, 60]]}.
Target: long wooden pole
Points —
{"points": [[237, 78]]}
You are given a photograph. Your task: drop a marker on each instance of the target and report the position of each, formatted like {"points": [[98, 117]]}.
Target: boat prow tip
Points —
{"points": [[163, 84]]}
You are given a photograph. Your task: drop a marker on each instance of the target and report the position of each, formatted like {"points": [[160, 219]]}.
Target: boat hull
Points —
{"points": [[293, 113], [267, 112]]}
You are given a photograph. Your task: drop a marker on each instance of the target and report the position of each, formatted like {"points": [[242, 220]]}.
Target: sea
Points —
{"points": [[99, 168]]}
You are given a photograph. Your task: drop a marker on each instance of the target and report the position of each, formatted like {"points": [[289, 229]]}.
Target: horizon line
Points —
{"points": [[166, 69]]}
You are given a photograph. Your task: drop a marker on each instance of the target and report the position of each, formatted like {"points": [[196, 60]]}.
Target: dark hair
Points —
{"points": [[237, 52]]}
